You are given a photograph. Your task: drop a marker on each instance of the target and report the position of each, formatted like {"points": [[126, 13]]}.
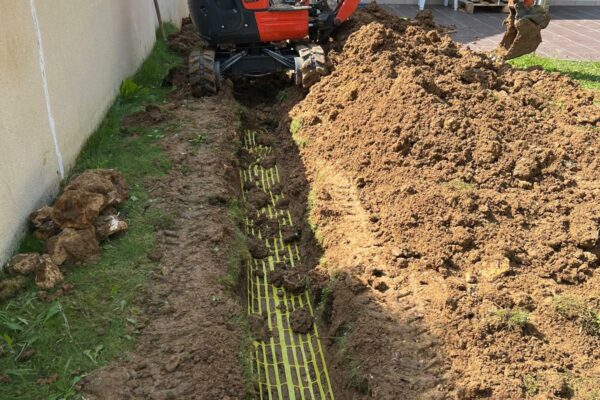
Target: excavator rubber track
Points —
{"points": [[311, 64], [204, 80]]}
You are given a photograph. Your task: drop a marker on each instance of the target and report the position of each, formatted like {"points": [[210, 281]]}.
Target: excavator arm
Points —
{"points": [[345, 9]]}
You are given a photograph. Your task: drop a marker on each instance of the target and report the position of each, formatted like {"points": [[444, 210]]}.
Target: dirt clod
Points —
{"points": [[259, 327], [294, 281], [74, 246], [86, 196], [43, 222], [24, 264], [12, 286], [290, 233], [47, 297], [26, 355], [155, 255], [151, 115], [109, 225], [257, 248], [47, 273], [48, 381], [258, 199], [276, 277], [301, 321], [172, 364]]}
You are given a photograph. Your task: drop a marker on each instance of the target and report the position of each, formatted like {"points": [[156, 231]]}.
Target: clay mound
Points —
{"points": [[460, 157], [480, 183]]}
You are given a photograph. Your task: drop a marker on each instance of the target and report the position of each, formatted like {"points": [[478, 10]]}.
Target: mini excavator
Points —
{"points": [[253, 38]]}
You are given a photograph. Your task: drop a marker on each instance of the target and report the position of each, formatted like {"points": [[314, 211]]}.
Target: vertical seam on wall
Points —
{"points": [[38, 33]]}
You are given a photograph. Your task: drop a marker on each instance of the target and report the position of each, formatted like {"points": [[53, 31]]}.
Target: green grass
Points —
{"points": [[568, 307], [238, 254], [97, 322], [511, 318], [530, 384], [246, 358], [587, 72], [295, 128], [576, 310], [590, 322], [30, 244], [354, 378]]}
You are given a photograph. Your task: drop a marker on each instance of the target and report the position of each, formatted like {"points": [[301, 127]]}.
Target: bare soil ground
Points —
{"points": [[189, 343], [457, 202], [450, 207]]}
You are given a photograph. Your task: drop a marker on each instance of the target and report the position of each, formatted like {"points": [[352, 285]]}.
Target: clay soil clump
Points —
{"points": [[83, 215], [479, 187]]}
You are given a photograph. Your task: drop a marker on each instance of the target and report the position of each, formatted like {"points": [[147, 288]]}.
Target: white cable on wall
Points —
{"points": [[38, 33]]}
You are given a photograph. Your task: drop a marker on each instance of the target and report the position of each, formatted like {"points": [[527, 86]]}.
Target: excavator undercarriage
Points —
{"points": [[253, 38]]}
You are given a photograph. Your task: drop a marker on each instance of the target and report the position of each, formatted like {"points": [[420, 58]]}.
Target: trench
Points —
{"points": [[288, 357]]}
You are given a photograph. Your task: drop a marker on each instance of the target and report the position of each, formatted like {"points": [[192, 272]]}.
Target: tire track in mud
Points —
{"points": [[397, 354], [289, 361]]}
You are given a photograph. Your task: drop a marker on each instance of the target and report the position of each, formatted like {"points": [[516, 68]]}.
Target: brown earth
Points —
{"points": [[72, 227], [301, 321], [457, 202], [454, 202], [189, 344]]}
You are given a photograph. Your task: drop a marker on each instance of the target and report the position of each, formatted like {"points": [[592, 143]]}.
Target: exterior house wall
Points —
{"points": [[89, 47]]}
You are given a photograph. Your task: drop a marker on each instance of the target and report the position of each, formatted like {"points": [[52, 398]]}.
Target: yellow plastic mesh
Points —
{"points": [[289, 365]]}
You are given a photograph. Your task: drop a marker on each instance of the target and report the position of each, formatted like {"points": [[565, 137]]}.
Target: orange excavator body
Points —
{"points": [[253, 38]]}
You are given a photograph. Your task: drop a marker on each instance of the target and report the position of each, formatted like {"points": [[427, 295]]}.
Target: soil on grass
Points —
{"points": [[457, 200], [189, 342]]}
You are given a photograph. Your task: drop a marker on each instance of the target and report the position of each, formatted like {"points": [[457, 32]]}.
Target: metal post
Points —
{"points": [[160, 22]]}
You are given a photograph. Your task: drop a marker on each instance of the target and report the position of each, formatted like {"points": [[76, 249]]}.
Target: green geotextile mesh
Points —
{"points": [[289, 365]]}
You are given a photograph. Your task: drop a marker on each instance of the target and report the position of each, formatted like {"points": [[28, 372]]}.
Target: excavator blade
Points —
{"points": [[523, 35]]}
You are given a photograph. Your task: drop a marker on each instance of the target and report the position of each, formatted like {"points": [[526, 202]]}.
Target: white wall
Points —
{"points": [[89, 48]]}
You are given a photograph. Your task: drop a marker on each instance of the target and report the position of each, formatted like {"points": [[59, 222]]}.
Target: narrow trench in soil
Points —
{"points": [[288, 355]]}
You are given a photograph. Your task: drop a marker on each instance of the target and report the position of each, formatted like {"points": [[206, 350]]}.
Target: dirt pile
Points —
{"points": [[73, 227], [480, 187]]}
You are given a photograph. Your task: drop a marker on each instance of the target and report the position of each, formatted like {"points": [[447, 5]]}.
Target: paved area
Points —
{"points": [[573, 33]]}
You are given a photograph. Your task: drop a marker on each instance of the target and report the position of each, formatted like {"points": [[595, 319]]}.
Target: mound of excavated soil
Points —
{"points": [[481, 186]]}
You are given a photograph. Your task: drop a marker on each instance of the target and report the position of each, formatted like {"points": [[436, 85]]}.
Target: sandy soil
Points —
{"points": [[457, 202]]}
